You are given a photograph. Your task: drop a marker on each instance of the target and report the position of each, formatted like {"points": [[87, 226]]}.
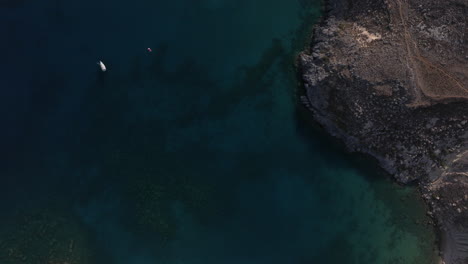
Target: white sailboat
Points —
{"points": [[103, 67]]}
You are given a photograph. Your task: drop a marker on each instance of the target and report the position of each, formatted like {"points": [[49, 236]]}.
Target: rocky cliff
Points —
{"points": [[390, 78]]}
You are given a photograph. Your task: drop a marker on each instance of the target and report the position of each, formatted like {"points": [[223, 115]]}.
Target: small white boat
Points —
{"points": [[103, 67]]}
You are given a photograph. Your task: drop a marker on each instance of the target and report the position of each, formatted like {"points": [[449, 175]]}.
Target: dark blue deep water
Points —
{"points": [[195, 153]]}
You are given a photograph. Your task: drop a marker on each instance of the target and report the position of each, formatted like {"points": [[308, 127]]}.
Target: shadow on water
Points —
{"points": [[330, 147]]}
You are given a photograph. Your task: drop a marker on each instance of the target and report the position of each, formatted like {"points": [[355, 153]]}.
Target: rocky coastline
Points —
{"points": [[390, 78]]}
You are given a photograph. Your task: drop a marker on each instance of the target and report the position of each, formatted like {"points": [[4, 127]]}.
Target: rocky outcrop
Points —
{"points": [[390, 78]]}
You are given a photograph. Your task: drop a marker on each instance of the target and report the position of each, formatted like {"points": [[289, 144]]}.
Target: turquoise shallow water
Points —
{"points": [[195, 153]]}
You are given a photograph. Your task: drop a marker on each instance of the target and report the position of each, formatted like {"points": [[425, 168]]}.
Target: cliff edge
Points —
{"points": [[390, 78]]}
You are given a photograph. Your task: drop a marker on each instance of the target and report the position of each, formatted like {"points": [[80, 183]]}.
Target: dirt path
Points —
{"points": [[413, 57]]}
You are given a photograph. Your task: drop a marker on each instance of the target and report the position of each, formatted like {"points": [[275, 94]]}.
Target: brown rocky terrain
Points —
{"points": [[390, 78]]}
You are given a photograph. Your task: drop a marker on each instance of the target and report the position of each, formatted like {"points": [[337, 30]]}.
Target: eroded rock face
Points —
{"points": [[390, 77]]}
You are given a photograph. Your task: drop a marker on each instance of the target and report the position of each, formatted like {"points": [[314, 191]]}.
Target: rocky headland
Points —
{"points": [[390, 78]]}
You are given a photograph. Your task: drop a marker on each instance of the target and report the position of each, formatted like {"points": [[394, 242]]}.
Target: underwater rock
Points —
{"points": [[45, 236]]}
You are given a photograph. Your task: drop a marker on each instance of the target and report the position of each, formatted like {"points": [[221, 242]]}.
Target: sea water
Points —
{"points": [[196, 152]]}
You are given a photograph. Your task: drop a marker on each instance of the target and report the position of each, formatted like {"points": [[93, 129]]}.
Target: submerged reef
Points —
{"points": [[390, 78], [155, 201], [150, 202], [45, 237]]}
